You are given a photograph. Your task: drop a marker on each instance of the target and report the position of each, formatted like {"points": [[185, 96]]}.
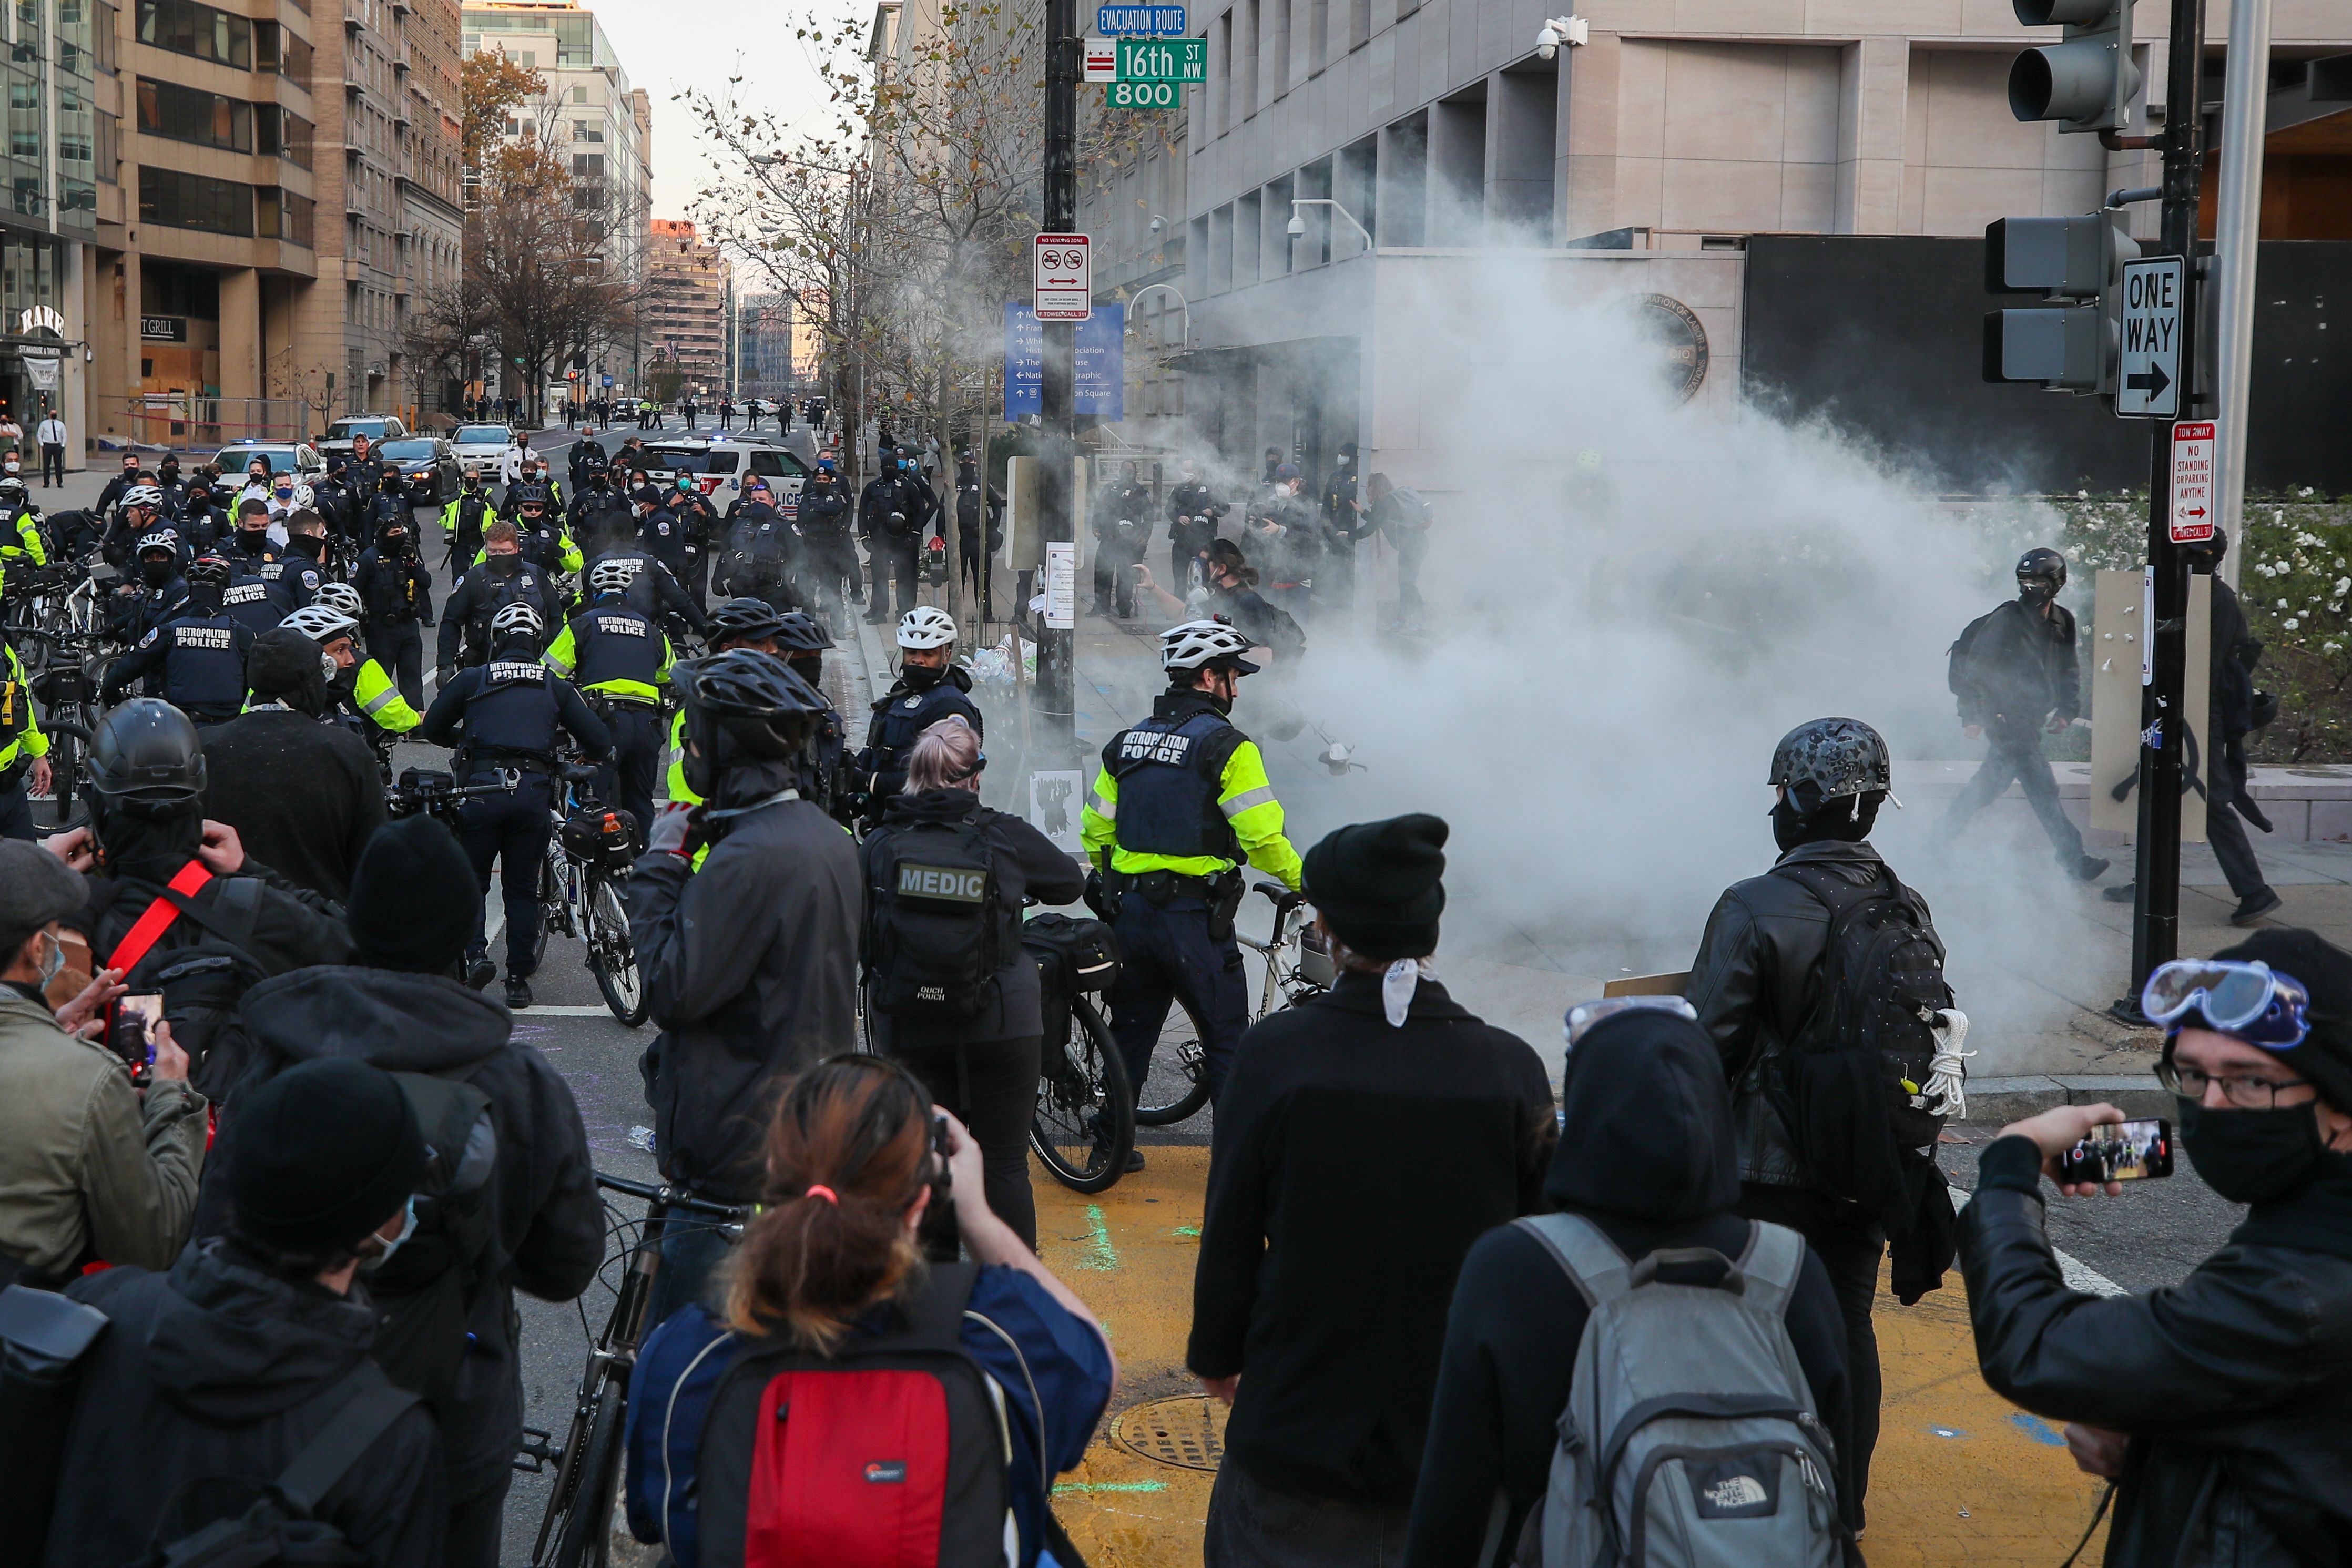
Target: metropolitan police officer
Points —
{"points": [[247, 545], [24, 756], [929, 687], [501, 578], [512, 711], [198, 655], [890, 518], [394, 595], [463, 520], [362, 687], [659, 532], [739, 623], [258, 603], [620, 659], [600, 513], [829, 560], [800, 639], [155, 593], [762, 552], [1182, 801], [699, 526], [538, 530], [652, 589]]}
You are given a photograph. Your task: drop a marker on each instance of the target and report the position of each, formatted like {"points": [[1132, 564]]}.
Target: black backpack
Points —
{"points": [[428, 1289], [203, 966], [1961, 660], [1850, 1086], [935, 926]]}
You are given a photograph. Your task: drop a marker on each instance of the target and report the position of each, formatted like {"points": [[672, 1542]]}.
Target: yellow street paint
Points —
{"points": [[1962, 1478]]}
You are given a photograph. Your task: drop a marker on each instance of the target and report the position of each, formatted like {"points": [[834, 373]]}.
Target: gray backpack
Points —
{"points": [[1690, 1439]]}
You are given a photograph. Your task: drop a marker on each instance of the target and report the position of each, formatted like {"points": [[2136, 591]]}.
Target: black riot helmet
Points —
{"points": [[741, 706], [146, 761], [1823, 760], [2041, 574], [745, 620]]}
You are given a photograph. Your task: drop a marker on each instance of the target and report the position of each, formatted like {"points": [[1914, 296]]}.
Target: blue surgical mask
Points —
{"points": [[392, 1245]]}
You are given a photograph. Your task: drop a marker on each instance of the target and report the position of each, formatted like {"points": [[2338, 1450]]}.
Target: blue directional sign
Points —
{"points": [[1140, 21], [1099, 370]]}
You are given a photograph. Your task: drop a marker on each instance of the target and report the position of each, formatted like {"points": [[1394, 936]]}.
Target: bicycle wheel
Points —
{"points": [[1084, 1127], [612, 958], [1165, 1103], [580, 1509], [68, 761], [550, 906]]}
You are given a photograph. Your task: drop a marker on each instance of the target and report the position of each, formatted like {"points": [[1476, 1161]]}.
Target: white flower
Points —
{"points": [[2282, 603], [2331, 647], [2290, 624]]}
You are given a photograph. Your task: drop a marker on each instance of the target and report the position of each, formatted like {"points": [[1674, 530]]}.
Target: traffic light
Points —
{"points": [[2073, 343], [2088, 80]]}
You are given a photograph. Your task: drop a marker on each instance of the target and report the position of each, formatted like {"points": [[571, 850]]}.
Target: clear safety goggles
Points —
{"points": [[1584, 1015], [2253, 1001]]}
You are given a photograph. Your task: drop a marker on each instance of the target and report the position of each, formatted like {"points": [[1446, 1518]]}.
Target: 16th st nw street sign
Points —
{"points": [[1163, 60], [2147, 379]]}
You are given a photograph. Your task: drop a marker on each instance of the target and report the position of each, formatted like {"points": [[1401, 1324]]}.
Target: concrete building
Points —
{"points": [[764, 345], [686, 313], [58, 61], [432, 197], [1639, 162]]}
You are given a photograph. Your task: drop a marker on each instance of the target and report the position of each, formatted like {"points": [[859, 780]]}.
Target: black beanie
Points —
{"points": [[324, 1153], [2325, 969], [414, 899], [284, 667], [1377, 884]]}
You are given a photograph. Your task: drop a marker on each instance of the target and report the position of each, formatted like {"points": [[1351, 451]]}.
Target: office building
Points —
{"points": [[764, 345], [685, 316]]}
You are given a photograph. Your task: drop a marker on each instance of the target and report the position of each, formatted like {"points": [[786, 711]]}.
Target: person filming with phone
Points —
{"points": [[2221, 1407]]}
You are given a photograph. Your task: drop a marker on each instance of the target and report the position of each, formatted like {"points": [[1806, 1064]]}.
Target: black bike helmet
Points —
{"points": [[145, 761], [801, 632], [745, 620], [1822, 760], [741, 706], [527, 495], [2040, 573], [208, 571]]}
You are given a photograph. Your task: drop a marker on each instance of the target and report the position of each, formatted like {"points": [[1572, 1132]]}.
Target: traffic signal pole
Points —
{"points": [[1055, 731], [2155, 916]]}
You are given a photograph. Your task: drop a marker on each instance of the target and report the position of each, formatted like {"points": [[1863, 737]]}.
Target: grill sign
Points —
{"points": [[952, 884]]}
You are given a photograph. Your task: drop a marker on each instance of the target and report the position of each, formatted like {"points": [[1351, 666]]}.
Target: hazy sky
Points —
{"points": [[667, 45]]}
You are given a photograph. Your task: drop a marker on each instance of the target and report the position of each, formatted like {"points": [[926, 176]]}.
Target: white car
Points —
{"points": [[481, 446], [719, 466]]}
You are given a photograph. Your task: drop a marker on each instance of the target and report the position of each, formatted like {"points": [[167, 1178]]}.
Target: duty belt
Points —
{"points": [[1162, 885], [492, 759]]}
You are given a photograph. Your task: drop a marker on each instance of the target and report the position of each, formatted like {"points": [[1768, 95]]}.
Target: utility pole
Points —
{"points": [[2155, 917], [1055, 732], [2245, 105]]}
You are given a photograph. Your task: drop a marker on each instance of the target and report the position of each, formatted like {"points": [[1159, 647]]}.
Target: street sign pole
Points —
{"points": [[1054, 729], [2156, 915]]}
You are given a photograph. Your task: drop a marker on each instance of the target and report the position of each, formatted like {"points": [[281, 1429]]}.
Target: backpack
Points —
{"points": [[1959, 660], [229, 1522], [1418, 514], [1074, 955], [1690, 1437], [663, 1437], [1849, 1086], [205, 971], [934, 929], [892, 1452], [428, 1289]]}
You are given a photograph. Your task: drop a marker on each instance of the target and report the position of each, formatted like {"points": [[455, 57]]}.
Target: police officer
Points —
{"points": [[929, 687], [828, 560], [247, 546], [698, 522], [1344, 524], [22, 542], [156, 591], [198, 655], [653, 590], [258, 603], [1192, 512], [800, 639], [1181, 802], [619, 658], [362, 687], [463, 520], [392, 593], [977, 503], [2015, 675], [889, 517], [24, 755], [505, 717], [762, 554], [739, 623], [301, 570], [538, 530], [660, 534], [601, 515], [501, 578], [1122, 530]]}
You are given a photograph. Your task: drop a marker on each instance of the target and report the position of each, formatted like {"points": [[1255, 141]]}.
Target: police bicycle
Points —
{"points": [[576, 1531], [47, 605], [589, 855], [1082, 1127], [66, 683], [1298, 966]]}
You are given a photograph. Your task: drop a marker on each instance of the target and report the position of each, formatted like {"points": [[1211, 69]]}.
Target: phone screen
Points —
{"points": [[132, 1034], [2120, 1151]]}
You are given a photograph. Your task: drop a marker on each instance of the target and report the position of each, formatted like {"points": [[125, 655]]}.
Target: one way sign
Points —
{"points": [[2148, 376]]}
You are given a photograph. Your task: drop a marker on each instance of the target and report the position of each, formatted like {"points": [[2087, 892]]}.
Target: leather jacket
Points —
{"points": [[2235, 1385], [1754, 982]]}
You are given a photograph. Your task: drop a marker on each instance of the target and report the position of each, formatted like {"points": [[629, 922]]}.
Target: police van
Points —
{"points": [[719, 464]]}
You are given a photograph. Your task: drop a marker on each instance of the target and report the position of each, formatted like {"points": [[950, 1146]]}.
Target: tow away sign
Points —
{"points": [[2192, 481], [2148, 378], [1062, 279]]}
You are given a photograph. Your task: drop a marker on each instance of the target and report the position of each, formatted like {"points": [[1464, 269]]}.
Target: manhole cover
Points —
{"points": [[1188, 1431]]}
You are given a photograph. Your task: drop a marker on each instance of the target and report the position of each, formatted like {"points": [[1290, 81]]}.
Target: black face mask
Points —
{"points": [[504, 565], [2252, 1156], [2036, 591], [154, 573], [920, 676], [395, 544], [313, 545], [252, 540], [1837, 821]]}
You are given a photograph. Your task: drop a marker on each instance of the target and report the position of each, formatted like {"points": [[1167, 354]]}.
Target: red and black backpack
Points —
{"points": [[892, 1452]]}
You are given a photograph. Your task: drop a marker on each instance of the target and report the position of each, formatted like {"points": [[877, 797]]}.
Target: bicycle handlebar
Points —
{"points": [[1283, 898], [673, 1198]]}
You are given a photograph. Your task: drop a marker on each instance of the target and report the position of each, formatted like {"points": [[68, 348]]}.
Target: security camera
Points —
{"points": [[1558, 30], [1158, 223], [1296, 227]]}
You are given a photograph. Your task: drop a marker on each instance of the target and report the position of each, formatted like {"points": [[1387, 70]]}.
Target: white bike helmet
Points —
{"points": [[341, 596], [162, 538], [144, 495], [926, 628], [322, 623], [612, 576], [1197, 643], [516, 617]]}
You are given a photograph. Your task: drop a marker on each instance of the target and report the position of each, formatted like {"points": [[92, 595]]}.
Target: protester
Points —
{"points": [[1647, 1153], [404, 1005], [830, 1275], [91, 1167], [2218, 1407], [981, 1064], [1364, 1140], [302, 793], [255, 1345]]}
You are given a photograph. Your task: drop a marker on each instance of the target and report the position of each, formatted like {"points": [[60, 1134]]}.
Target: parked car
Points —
{"points": [[237, 456], [480, 448], [377, 427], [428, 468]]}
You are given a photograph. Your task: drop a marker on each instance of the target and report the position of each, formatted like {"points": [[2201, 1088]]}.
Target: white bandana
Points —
{"points": [[1398, 983]]}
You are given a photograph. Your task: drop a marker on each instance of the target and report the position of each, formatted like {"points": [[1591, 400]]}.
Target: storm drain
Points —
{"points": [[1188, 1432]]}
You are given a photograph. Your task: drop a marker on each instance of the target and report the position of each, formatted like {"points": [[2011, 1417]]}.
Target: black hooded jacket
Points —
{"points": [[551, 1225], [1647, 1153], [215, 1369], [303, 794]]}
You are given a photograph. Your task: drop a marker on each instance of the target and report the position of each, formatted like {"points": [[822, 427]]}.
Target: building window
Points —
{"points": [[109, 139], [588, 165], [186, 27], [587, 131], [103, 36], [282, 133], [24, 119], [190, 114], [281, 215], [193, 201]]}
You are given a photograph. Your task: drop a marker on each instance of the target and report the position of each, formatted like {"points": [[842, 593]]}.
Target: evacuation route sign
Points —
{"points": [[2192, 481], [1062, 284]]}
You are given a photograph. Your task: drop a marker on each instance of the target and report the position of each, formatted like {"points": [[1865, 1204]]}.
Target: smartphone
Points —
{"points": [[946, 1178], [130, 1033], [2120, 1151]]}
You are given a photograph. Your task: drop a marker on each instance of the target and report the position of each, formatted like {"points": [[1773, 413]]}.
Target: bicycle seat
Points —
{"points": [[580, 772]]}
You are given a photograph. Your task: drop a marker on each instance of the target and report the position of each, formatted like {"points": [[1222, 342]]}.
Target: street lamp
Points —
{"points": [[1297, 226], [1135, 297]]}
